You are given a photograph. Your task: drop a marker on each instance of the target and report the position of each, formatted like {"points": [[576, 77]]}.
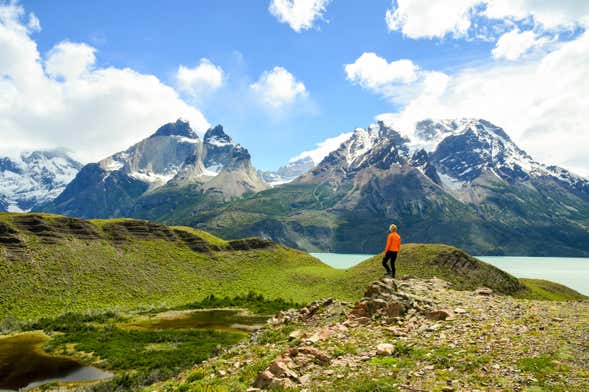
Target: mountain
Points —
{"points": [[171, 161], [34, 177], [288, 172], [463, 182], [305, 161]]}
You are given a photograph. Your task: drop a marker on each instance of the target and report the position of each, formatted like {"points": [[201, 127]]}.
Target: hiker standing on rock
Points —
{"points": [[391, 250]]}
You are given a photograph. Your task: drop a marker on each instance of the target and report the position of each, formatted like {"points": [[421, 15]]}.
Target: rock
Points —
{"points": [[434, 327], [380, 286], [279, 369], [459, 311], [264, 379], [483, 291], [323, 334], [321, 357], [296, 334], [397, 331], [394, 309], [385, 349], [360, 309], [305, 380], [363, 320], [448, 389], [438, 315]]}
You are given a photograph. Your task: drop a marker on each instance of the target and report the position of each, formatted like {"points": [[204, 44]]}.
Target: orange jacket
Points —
{"points": [[393, 242]]}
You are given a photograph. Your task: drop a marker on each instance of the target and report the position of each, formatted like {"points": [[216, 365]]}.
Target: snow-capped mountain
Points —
{"points": [[463, 182], [305, 161], [288, 172], [174, 157], [34, 177]]}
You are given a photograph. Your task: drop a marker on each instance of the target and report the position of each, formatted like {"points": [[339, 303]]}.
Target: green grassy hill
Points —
{"points": [[50, 264]]}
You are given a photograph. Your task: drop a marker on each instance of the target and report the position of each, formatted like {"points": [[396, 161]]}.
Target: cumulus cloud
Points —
{"points": [[298, 14], [541, 102], [399, 81], [324, 148], [201, 79], [430, 18], [278, 88], [438, 18], [377, 74], [69, 60], [64, 100], [513, 44]]}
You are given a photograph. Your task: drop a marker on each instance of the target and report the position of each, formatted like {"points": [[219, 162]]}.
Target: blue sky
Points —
{"points": [[245, 39]]}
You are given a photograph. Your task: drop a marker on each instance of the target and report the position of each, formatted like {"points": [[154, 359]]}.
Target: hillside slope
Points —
{"points": [[50, 264]]}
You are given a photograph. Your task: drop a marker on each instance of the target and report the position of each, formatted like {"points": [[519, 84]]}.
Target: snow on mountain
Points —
{"points": [[34, 177], [465, 149], [305, 161], [453, 153]]}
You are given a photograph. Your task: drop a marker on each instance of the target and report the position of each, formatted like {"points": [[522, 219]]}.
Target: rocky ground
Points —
{"points": [[409, 335]]}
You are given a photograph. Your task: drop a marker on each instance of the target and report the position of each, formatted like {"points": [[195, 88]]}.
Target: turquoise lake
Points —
{"points": [[570, 271]]}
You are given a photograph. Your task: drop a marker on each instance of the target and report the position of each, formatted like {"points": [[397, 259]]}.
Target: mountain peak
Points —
{"points": [[178, 128], [216, 136]]}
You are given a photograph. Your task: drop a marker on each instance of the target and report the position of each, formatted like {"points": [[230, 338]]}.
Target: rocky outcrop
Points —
{"points": [[52, 230]]}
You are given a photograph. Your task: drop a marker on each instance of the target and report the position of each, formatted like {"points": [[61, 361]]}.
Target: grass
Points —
{"points": [[544, 289], [143, 355], [155, 268]]}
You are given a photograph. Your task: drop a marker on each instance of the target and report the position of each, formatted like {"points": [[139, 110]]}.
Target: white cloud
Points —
{"points": [[324, 148], [513, 44], [70, 60], [278, 87], [550, 14], [541, 102], [203, 78], [438, 18], [374, 73], [430, 18], [93, 111], [299, 14], [34, 23]]}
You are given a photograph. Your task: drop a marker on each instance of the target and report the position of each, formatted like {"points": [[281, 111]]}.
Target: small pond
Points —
{"points": [[24, 365], [217, 319]]}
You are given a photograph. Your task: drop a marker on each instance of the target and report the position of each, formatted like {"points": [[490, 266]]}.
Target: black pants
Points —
{"points": [[392, 256]]}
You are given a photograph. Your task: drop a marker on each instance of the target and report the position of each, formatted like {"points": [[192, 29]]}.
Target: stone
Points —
{"points": [[264, 379], [296, 334], [385, 349], [483, 291], [305, 379], [323, 334], [459, 311], [363, 320], [380, 286], [279, 369], [320, 356], [438, 315], [394, 309], [360, 309]]}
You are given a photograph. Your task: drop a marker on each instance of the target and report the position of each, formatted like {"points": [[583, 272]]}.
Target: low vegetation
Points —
{"points": [[49, 263]]}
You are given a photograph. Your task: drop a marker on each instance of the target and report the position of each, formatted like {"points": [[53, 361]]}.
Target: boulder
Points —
{"points": [[385, 349], [438, 315], [483, 291]]}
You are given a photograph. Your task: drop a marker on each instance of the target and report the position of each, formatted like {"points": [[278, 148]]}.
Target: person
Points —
{"points": [[391, 250]]}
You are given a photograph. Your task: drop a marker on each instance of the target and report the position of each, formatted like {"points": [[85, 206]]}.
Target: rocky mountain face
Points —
{"points": [[462, 182], [172, 160], [34, 177]]}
